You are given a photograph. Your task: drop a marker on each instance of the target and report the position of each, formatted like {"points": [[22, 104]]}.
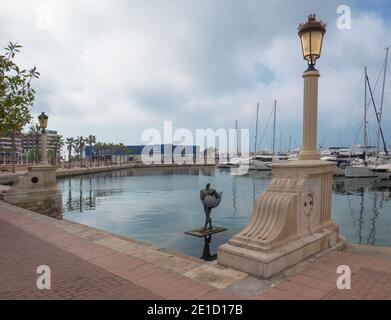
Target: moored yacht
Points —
{"points": [[341, 156], [361, 171], [261, 162], [233, 163]]}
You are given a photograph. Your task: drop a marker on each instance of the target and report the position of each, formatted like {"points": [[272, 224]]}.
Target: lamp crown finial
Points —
{"points": [[312, 22]]}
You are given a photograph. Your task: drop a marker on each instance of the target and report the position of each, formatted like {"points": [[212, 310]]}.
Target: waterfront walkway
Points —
{"points": [[8, 177], [87, 263]]}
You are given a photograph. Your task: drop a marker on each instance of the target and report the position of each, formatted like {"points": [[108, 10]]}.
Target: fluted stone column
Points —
{"points": [[310, 116], [44, 147]]}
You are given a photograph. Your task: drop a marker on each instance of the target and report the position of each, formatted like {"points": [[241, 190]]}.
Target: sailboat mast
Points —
{"points": [[274, 127], [381, 106], [237, 140], [280, 146], [365, 116], [256, 131]]}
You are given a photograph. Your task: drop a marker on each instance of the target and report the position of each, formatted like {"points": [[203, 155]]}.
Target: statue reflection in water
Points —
{"points": [[206, 255]]}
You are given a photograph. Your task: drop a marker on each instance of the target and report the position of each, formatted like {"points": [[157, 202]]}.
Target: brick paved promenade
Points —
{"points": [[91, 264]]}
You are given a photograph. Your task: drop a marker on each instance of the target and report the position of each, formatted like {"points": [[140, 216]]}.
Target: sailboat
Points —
{"points": [[233, 162], [369, 167], [263, 162]]}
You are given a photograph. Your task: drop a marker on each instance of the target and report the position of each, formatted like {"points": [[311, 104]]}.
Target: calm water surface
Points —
{"points": [[157, 205]]}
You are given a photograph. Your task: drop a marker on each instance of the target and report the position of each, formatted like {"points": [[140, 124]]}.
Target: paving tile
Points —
{"points": [[72, 277], [90, 264]]}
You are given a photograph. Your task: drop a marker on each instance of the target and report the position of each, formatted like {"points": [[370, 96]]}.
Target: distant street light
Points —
{"points": [[311, 35], [43, 122]]}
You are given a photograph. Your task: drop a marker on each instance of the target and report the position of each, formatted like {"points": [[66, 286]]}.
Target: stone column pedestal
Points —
{"points": [[44, 149], [37, 191], [290, 222], [310, 116]]}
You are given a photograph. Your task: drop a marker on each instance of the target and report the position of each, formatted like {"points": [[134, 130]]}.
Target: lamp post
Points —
{"points": [[311, 35], [291, 220], [43, 122]]}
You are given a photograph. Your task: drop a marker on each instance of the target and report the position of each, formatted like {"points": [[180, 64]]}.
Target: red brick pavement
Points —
{"points": [[82, 269], [370, 279], [71, 277]]}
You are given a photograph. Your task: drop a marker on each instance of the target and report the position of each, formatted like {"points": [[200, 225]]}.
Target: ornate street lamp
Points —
{"points": [[311, 35], [43, 122], [300, 192]]}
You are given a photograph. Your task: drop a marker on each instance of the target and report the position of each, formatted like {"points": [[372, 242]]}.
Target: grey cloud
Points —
{"points": [[116, 67]]}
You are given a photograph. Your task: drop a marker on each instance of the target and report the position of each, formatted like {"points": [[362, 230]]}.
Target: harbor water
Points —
{"points": [[157, 205]]}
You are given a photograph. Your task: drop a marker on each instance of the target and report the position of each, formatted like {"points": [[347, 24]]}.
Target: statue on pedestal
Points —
{"points": [[210, 199]]}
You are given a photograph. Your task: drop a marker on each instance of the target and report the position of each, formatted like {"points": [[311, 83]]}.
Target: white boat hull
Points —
{"points": [[361, 172], [227, 166], [340, 172], [261, 166]]}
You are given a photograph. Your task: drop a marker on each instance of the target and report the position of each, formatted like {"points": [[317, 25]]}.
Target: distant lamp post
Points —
{"points": [[311, 35], [43, 122]]}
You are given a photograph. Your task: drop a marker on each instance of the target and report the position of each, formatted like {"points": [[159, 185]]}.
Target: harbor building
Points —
{"points": [[160, 153], [24, 143]]}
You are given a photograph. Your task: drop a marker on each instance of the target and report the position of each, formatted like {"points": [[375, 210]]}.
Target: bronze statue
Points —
{"points": [[210, 199]]}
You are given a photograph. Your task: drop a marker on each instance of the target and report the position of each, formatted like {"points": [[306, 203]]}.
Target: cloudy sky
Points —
{"points": [[114, 68]]}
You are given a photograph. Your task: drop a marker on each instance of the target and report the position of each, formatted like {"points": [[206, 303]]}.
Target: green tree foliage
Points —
{"points": [[16, 95]]}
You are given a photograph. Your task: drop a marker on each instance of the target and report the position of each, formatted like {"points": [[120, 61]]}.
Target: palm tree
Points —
{"points": [[98, 149], [111, 148], [71, 144], [99, 146], [120, 150], [124, 151], [106, 151], [35, 133], [58, 142], [103, 151], [91, 140], [117, 151], [80, 145]]}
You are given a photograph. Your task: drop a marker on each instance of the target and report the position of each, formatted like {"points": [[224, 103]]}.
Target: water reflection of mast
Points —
{"points": [[360, 218], [252, 179], [81, 195], [69, 202], [90, 194], [376, 212], [234, 191]]}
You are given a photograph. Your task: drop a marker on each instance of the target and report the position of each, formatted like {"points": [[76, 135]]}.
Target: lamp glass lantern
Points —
{"points": [[43, 121], [311, 35]]}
